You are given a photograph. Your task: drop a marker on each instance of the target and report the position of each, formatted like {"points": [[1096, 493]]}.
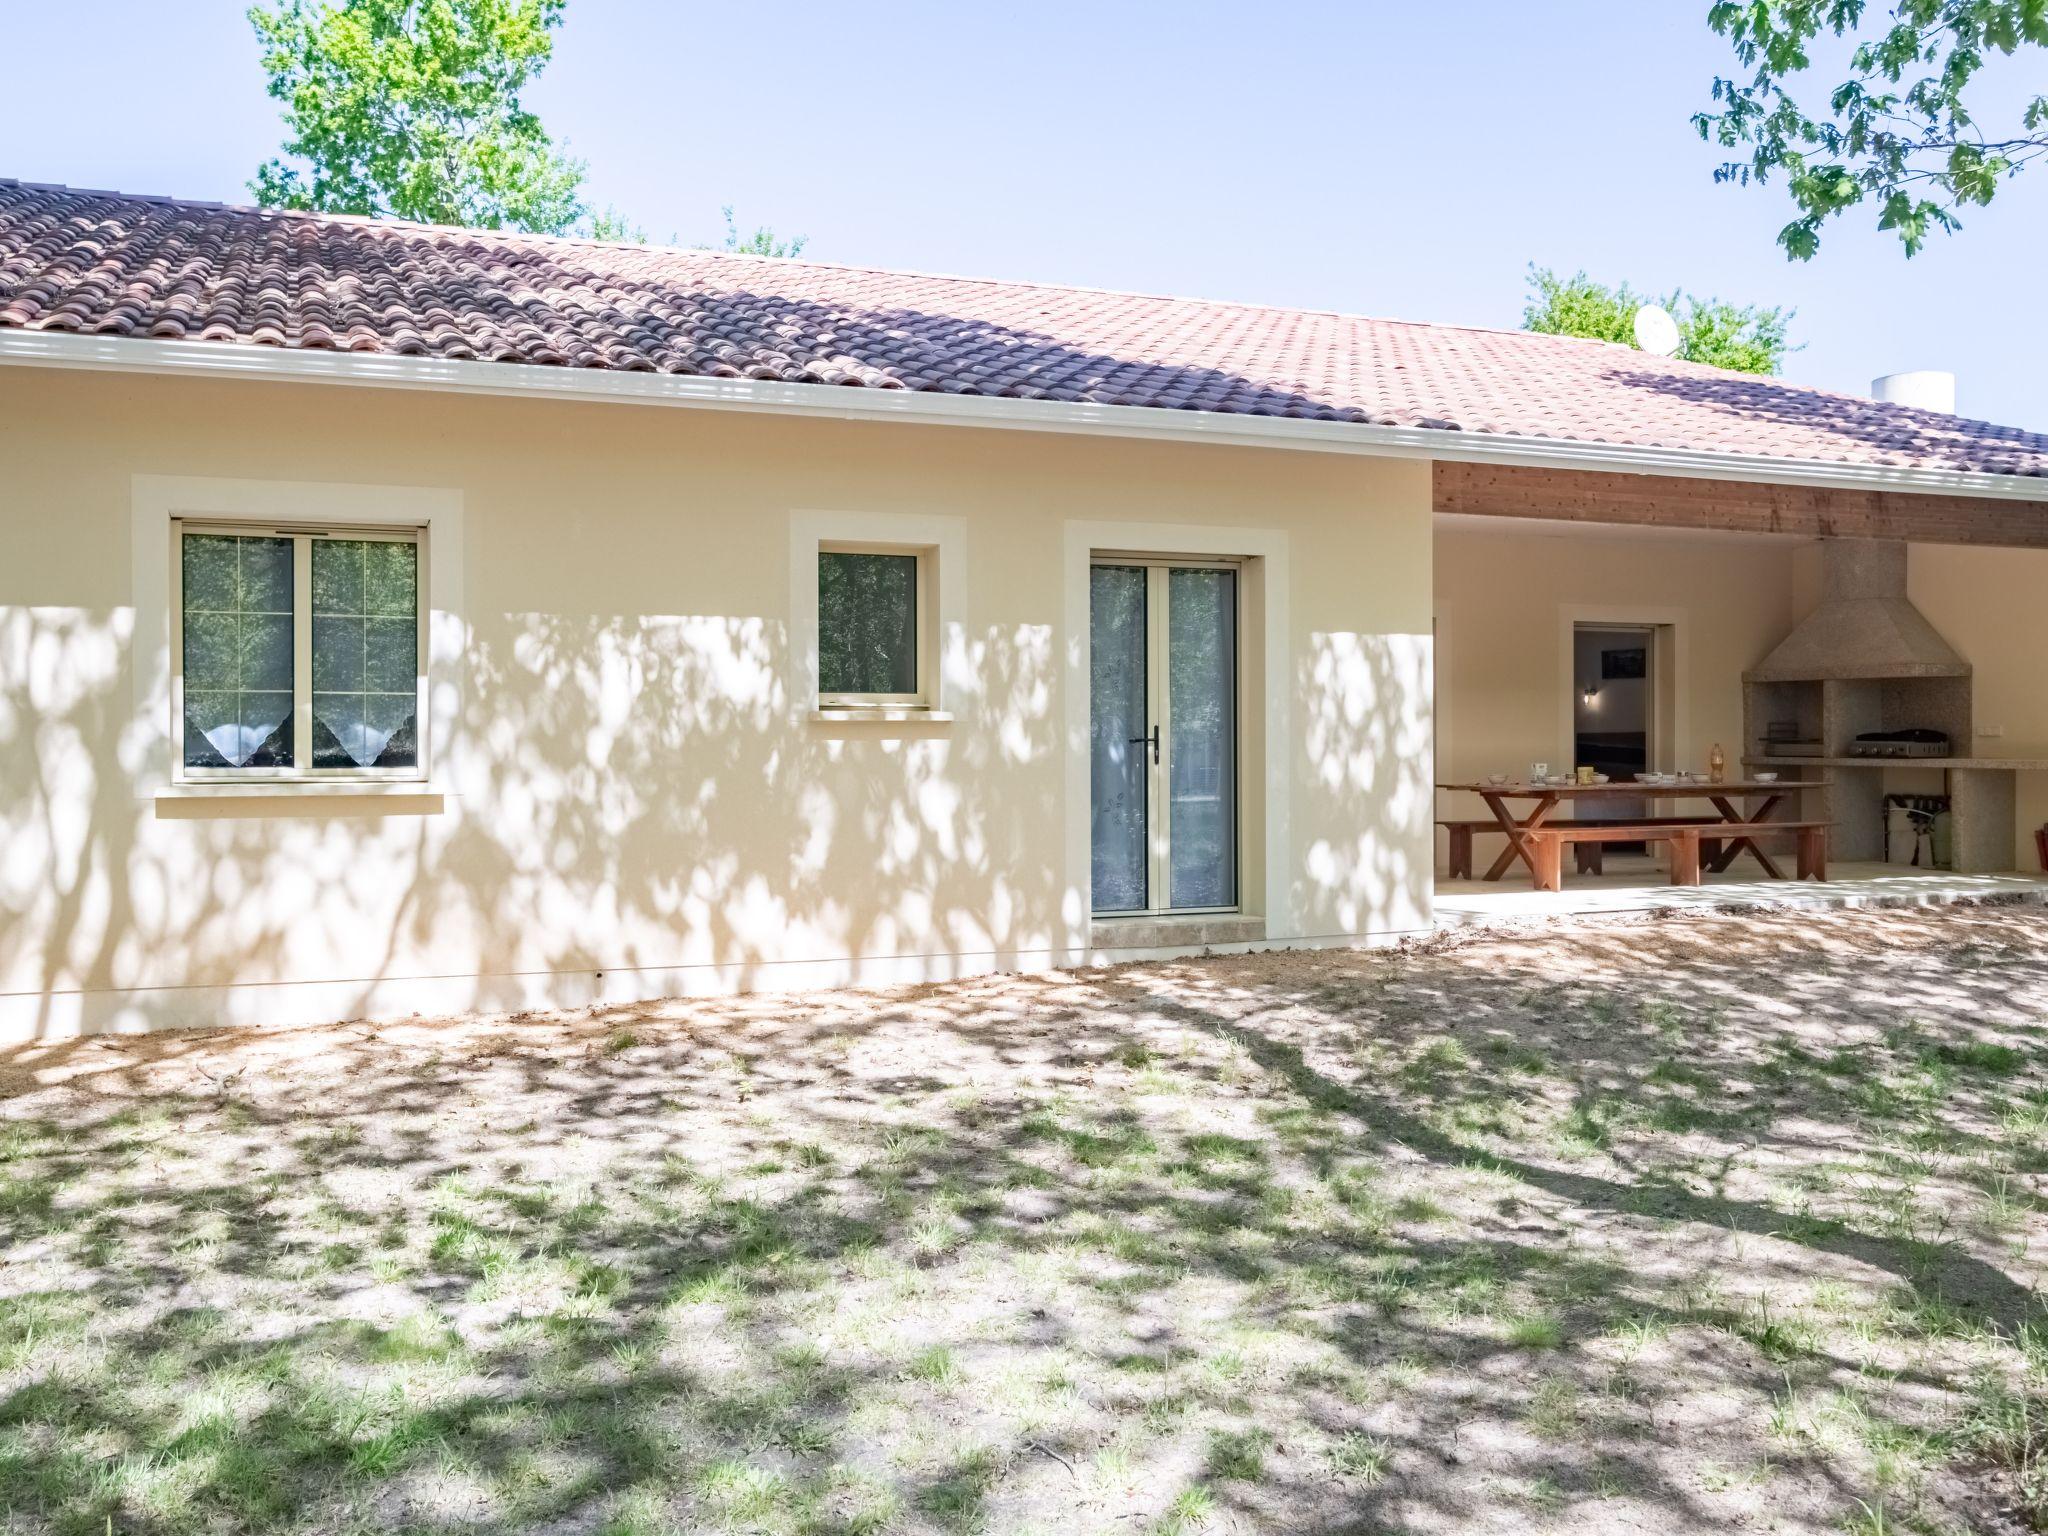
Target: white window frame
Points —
{"points": [[924, 627], [303, 535], [1159, 708]]}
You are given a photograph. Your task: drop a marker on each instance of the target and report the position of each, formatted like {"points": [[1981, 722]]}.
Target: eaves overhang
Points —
{"points": [[240, 360]]}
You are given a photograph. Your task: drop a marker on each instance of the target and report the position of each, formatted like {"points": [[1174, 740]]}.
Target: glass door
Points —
{"points": [[1120, 737], [1201, 757], [1163, 736]]}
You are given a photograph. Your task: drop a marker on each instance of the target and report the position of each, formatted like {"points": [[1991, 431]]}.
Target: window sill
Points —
{"points": [[908, 713], [1196, 930], [298, 789]]}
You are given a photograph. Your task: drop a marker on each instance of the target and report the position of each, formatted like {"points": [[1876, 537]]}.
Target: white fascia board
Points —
{"points": [[860, 403]]}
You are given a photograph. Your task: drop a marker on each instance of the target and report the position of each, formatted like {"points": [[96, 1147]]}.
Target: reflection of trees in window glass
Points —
{"points": [[1201, 681], [867, 623], [237, 621], [1117, 714], [365, 653]]}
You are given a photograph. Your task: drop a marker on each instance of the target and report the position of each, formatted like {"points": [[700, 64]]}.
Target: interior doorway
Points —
{"points": [[1615, 710]]}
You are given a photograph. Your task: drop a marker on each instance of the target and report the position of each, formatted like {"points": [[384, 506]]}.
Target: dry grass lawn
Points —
{"points": [[1703, 1225]]}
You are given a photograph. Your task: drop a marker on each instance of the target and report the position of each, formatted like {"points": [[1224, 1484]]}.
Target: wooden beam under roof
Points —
{"points": [[1736, 506]]}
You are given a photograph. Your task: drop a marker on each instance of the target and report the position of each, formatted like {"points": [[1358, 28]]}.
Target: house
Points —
{"points": [[403, 619]]}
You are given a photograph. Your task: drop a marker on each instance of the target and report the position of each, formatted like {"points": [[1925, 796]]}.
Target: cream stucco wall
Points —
{"points": [[635, 800], [1506, 600], [1992, 606]]}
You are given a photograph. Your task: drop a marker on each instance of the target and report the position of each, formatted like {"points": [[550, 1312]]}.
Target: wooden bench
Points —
{"points": [[1690, 844], [1586, 852]]}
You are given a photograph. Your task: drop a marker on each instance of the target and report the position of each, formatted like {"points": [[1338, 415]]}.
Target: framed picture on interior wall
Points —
{"points": [[1634, 661]]}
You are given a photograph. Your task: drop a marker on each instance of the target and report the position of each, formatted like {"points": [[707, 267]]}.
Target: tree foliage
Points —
{"points": [[410, 109], [1897, 133], [762, 242], [607, 223], [1749, 338]]}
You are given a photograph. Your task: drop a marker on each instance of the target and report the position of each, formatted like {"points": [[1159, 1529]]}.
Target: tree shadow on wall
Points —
{"points": [[622, 761], [643, 795]]}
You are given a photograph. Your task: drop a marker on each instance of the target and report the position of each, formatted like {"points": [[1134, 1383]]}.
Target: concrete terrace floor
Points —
{"points": [[1636, 883], [1722, 1223]]}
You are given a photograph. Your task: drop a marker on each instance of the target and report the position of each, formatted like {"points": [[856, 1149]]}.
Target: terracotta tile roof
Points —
{"points": [[106, 264]]}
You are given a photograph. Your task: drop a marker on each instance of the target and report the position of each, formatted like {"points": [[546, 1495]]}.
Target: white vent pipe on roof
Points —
{"points": [[1926, 389]]}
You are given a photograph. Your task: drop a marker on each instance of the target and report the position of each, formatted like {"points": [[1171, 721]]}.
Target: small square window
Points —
{"points": [[869, 616]]}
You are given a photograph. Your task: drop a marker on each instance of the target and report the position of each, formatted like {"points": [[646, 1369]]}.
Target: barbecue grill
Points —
{"points": [[1913, 743]]}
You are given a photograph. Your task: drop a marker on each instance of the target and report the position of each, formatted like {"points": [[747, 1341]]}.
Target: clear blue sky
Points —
{"points": [[1403, 160]]}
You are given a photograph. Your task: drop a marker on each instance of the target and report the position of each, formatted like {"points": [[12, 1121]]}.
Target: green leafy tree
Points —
{"points": [[610, 224], [762, 242], [1748, 338], [410, 109], [1897, 133]]}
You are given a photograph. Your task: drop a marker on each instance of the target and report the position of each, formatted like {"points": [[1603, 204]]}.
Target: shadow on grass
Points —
{"points": [[1063, 1249]]}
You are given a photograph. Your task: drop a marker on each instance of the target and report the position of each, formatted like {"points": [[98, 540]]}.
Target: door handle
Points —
{"points": [[1139, 741]]}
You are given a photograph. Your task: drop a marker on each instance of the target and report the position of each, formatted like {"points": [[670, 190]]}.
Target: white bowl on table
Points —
{"points": [[1767, 778]]}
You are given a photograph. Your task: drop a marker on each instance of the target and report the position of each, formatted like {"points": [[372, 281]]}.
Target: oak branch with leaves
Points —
{"points": [[410, 109], [1898, 133]]}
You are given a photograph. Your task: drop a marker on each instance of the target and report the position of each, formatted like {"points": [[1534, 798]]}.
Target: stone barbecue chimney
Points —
{"points": [[1864, 626]]}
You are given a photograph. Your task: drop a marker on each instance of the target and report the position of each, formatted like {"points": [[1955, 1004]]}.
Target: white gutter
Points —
{"points": [[60, 349]]}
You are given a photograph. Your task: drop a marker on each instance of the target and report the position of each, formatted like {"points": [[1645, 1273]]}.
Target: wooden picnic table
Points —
{"points": [[1549, 797]]}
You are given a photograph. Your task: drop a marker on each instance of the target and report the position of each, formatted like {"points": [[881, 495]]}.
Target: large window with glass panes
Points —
{"points": [[299, 652]]}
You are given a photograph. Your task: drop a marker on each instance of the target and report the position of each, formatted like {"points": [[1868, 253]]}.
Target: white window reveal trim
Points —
{"points": [[163, 505], [943, 673], [902, 713], [295, 789]]}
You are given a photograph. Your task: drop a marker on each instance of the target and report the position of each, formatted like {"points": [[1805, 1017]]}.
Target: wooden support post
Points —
{"points": [[1461, 853], [1685, 857], [1813, 853], [1546, 857]]}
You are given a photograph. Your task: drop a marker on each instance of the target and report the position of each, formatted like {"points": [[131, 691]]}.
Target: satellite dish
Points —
{"points": [[1656, 331]]}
